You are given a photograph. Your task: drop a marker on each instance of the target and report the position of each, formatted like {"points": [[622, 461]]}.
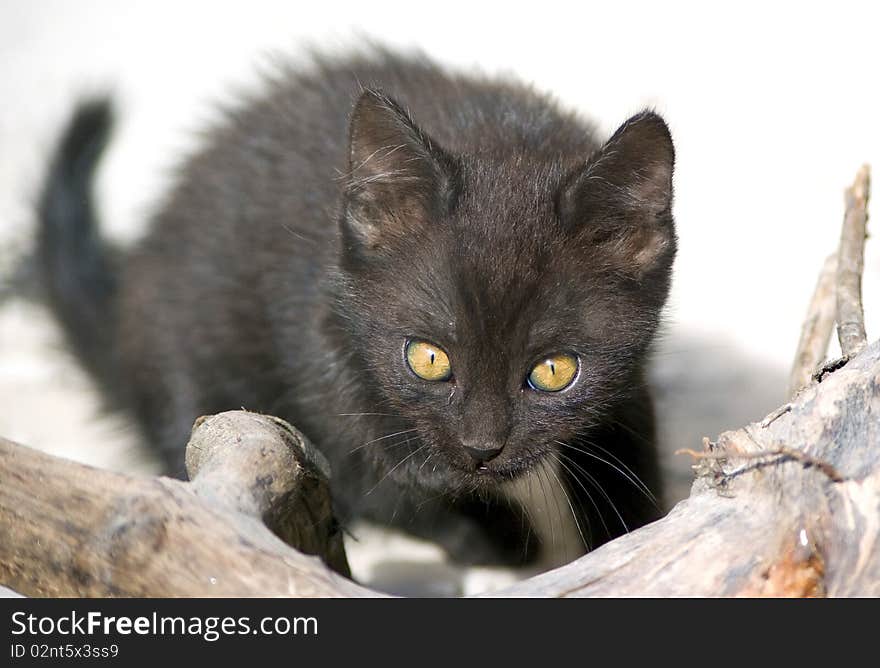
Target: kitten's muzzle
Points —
{"points": [[482, 452]]}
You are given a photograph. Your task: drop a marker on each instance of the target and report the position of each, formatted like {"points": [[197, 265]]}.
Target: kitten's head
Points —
{"points": [[503, 301]]}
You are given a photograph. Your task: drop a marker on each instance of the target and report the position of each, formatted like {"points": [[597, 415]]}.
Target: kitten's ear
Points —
{"points": [[398, 177], [623, 195]]}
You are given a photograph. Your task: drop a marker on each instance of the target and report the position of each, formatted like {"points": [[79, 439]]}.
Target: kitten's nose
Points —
{"points": [[482, 452]]}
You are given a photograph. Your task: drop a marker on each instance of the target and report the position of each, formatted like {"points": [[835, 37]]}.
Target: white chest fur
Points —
{"points": [[542, 495]]}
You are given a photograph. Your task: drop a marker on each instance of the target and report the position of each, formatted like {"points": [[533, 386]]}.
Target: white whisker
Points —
{"points": [[586, 491], [382, 438], [631, 477], [394, 468]]}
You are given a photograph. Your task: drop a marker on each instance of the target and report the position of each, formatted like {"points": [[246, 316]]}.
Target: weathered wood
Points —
{"points": [[261, 466], [72, 530], [850, 261], [788, 506], [753, 525], [816, 330], [838, 294], [769, 525]]}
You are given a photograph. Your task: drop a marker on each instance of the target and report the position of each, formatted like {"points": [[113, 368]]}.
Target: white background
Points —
{"points": [[772, 108]]}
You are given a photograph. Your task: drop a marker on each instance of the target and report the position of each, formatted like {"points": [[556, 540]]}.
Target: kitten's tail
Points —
{"points": [[76, 264]]}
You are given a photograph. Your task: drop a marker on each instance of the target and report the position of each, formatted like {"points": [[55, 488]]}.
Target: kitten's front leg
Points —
{"points": [[472, 531]]}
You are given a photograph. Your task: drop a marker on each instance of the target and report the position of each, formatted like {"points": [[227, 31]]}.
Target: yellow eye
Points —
{"points": [[554, 373], [428, 361]]}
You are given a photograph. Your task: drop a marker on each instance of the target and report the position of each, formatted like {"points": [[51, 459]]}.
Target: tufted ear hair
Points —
{"points": [[398, 177], [623, 195]]}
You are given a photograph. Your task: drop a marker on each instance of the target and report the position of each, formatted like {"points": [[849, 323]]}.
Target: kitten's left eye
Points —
{"points": [[554, 373], [428, 361]]}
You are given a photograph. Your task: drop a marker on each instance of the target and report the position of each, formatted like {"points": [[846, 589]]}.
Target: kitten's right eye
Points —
{"points": [[428, 361], [553, 374]]}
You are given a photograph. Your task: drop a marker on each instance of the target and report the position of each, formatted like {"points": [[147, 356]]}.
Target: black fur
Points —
{"points": [[362, 203], [76, 264]]}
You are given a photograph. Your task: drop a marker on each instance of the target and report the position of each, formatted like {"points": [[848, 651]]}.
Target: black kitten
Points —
{"points": [[444, 281]]}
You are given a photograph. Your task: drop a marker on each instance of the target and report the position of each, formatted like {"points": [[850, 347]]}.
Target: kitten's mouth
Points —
{"points": [[498, 471], [487, 476]]}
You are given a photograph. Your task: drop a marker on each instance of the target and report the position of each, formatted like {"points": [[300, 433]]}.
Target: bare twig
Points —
{"points": [[817, 327], [850, 262], [781, 451], [775, 415]]}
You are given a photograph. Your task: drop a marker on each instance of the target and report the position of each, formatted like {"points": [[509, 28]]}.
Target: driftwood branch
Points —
{"points": [[787, 506], [817, 328], [850, 261], [838, 294], [72, 530], [759, 521]]}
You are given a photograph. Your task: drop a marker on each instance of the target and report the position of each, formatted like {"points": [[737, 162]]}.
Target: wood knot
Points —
{"points": [[794, 575]]}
